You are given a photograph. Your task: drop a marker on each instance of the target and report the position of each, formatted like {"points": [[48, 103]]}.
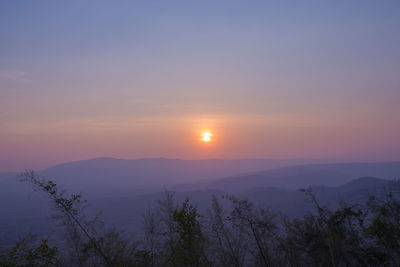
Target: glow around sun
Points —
{"points": [[206, 137]]}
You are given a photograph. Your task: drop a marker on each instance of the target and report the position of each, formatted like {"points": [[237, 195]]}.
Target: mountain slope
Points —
{"points": [[109, 175], [31, 212], [296, 177]]}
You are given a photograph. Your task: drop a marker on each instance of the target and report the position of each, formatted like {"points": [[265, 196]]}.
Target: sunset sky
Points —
{"points": [[133, 79]]}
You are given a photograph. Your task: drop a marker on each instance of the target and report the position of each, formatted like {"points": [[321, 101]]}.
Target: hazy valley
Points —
{"points": [[122, 190]]}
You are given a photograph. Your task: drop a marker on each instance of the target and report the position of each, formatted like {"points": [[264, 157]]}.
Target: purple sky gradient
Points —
{"points": [[83, 79]]}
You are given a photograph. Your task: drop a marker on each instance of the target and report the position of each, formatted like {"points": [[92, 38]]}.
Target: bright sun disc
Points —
{"points": [[206, 137]]}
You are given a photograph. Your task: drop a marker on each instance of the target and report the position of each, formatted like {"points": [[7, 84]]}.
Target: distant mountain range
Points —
{"points": [[124, 189], [110, 175], [295, 177]]}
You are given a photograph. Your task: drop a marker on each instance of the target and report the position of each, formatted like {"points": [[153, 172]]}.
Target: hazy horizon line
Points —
{"points": [[312, 161]]}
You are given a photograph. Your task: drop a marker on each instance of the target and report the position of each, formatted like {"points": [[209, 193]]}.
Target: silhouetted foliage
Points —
{"points": [[29, 252], [242, 235]]}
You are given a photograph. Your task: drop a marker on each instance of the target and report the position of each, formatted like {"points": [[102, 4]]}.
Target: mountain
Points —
{"points": [[295, 177], [124, 189], [110, 176], [32, 212], [295, 202], [124, 210]]}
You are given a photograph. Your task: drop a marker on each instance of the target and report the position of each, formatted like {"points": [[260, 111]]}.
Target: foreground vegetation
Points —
{"points": [[176, 234]]}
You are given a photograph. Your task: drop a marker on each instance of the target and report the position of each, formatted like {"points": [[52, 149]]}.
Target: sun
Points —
{"points": [[206, 137]]}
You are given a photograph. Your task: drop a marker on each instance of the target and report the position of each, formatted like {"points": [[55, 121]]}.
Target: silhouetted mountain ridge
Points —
{"points": [[276, 189], [295, 177], [105, 175]]}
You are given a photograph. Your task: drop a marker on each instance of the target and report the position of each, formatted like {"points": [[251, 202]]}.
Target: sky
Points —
{"points": [[134, 79]]}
